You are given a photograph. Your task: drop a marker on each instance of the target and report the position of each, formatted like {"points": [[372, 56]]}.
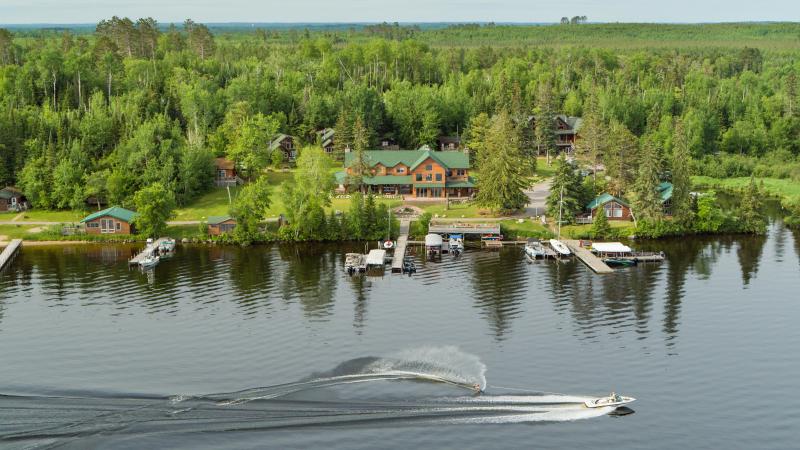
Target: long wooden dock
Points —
{"points": [[588, 257], [149, 250], [9, 252], [400, 250]]}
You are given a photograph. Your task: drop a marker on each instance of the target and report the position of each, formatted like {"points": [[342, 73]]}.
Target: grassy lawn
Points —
{"points": [[36, 215], [17, 231], [543, 170], [578, 231], [455, 210], [775, 186], [528, 228]]}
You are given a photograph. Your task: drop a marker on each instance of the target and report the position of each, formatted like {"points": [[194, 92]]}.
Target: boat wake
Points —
{"points": [[419, 387]]}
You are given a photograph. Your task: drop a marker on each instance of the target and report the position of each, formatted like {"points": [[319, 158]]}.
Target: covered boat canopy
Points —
{"points": [[376, 258], [433, 240], [611, 247]]}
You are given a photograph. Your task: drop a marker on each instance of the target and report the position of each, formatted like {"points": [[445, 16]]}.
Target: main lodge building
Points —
{"points": [[417, 173]]}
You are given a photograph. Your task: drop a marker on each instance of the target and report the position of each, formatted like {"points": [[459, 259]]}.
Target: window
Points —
{"points": [[419, 177], [119, 226], [400, 170], [221, 174], [461, 172], [438, 177], [429, 167], [613, 210], [92, 225], [428, 177], [449, 173]]}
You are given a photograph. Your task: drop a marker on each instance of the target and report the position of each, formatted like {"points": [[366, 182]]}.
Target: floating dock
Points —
{"points": [[10, 252], [149, 250], [587, 257], [400, 249]]}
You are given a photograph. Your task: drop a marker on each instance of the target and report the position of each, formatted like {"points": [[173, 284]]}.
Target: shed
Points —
{"points": [[220, 224], [11, 199]]}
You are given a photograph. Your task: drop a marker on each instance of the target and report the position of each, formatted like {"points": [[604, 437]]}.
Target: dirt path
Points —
{"points": [[18, 216], [537, 198]]}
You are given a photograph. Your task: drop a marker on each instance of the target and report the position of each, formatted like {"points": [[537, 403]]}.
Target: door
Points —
{"points": [[106, 226]]}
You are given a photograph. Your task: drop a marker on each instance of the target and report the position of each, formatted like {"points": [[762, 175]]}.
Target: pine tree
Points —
{"points": [[544, 130], [620, 159], [681, 176], [750, 218], [504, 169], [594, 138], [343, 138], [601, 229], [646, 199], [565, 192], [360, 166]]}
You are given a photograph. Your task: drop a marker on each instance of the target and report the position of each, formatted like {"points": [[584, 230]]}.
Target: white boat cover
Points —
{"points": [[611, 247], [376, 257], [433, 240]]}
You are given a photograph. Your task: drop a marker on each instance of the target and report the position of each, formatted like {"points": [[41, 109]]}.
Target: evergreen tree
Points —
{"points": [[681, 176], [647, 203], [504, 169], [601, 229], [544, 126], [476, 138], [360, 166], [620, 159], [567, 180], [343, 139], [593, 143], [750, 218]]}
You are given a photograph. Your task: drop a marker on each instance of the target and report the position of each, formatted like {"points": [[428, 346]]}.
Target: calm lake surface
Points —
{"points": [[274, 346]]}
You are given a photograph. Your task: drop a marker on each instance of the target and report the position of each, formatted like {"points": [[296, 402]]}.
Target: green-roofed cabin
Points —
{"points": [[419, 174], [614, 208], [218, 225], [114, 220], [11, 199]]}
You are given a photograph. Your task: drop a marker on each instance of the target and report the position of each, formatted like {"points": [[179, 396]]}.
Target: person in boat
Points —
{"points": [[477, 388]]}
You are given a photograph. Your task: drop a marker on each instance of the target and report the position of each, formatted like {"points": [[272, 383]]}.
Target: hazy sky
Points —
{"points": [[90, 11]]}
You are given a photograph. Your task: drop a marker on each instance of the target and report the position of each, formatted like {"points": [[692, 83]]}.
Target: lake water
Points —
{"points": [[274, 346]]}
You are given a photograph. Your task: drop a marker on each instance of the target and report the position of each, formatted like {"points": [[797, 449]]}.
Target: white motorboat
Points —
{"points": [[560, 247], [534, 249], [456, 243], [167, 245], [149, 261], [613, 400]]}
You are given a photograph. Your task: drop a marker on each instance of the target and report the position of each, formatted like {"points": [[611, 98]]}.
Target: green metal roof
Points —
{"points": [[665, 190], [429, 185], [216, 220], [116, 212], [411, 158], [9, 192], [470, 183], [340, 176], [387, 179], [604, 198]]}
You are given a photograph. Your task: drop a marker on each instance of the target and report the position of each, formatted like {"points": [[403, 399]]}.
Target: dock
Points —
{"points": [[400, 249], [149, 250], [10, 252], [588, 257], [464, 228]]}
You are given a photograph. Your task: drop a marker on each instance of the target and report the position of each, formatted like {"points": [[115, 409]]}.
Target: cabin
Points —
{"points": [[218, 225], [420, 174], [114, 220], [326, 139], [566, 128], [618, 209], [449, 143], [12, 199], [388, 143], [286, 144], [225, 173]]}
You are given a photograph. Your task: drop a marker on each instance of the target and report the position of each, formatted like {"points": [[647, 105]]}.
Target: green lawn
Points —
{"points": [[528, 228], [16, 231], [775, 186], [36, 215], [578, 231], [543, 170]]}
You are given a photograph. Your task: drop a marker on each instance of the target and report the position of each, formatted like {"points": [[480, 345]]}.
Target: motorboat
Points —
{"points": [[149, 261], [620, 262], [534, 249], [456, 244], [409, 267], [613, 400], [167, 245], [560, 247]]}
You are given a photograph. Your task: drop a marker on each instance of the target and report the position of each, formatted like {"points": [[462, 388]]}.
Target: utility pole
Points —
{"points": [[560, 203]]}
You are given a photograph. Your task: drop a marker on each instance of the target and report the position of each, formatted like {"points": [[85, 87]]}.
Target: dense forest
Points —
{"points": [[134, 103]]}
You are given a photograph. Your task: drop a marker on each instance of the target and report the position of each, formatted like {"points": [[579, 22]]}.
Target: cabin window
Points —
{"points": [[429, 167], [384, 143], [13, 201], [449, 173], [461, 172], [613, 210], [92, 225], [438, 177], [428, 177], [419, 177], [118, 225], [400, 170]]}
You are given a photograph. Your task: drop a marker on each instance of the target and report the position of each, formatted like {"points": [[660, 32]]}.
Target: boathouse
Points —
{"points": [[12, 199], [114, 220], [218, 225], [420, 174]]}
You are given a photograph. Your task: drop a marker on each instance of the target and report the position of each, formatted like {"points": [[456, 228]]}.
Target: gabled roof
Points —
{"points": [[223, 163], [116, 212], [411, 158], [604, 198], [278, 140], [216, 220], [10, 192]]}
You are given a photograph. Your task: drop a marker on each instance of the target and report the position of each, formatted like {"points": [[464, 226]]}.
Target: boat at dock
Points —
{"points": [[560, 247], [166, 245], [616, 254], [355, 263], [534, 249], [456, 244], [149, 262]]}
